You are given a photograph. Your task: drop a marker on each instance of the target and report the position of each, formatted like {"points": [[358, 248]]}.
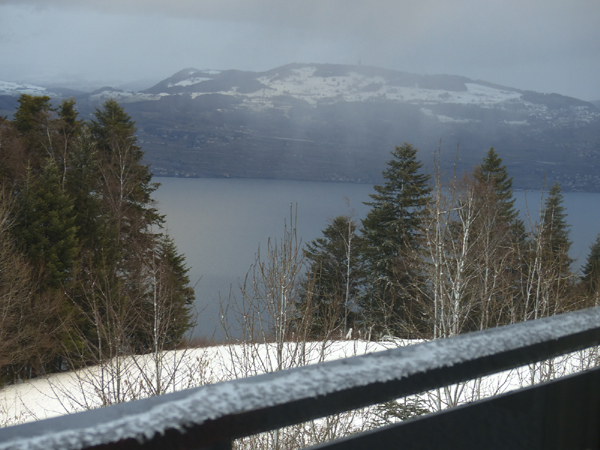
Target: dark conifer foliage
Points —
{"points": [[391, 232], [46, 230], [495, 175], [333, 277], [126, 182], [397, 209], [33, 120], [555, 230], [32, 114], [178, 294], [591, 274], [90, 235]]}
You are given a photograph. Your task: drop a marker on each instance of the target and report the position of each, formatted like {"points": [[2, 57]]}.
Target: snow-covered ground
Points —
{"points": [[135, 377], [84, 389]]}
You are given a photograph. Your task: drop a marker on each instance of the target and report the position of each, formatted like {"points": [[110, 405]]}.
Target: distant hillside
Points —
{"points": [[339, 123]]}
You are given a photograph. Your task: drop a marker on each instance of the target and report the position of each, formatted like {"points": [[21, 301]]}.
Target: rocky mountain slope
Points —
{"points": [[339, 123]]}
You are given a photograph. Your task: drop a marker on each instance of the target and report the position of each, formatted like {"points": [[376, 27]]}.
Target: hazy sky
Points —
{"points": [[542, 45]]}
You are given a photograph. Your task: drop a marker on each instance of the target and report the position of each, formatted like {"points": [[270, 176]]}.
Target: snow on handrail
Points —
{"points": [[221, 412]]}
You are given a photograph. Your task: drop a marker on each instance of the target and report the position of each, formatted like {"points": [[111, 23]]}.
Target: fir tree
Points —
{"points": [[32, 113], [86, 224], [68, 128], [33, 121], [333, 277], [130, 262], [591, 274], [126, 182], [46, 228], [100, 250], [179, 294], [555, 230], [493, 174], [392, 231], [68, 113]]}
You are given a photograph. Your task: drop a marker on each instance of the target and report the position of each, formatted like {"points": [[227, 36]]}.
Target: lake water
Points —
{"points": [[219, 223]]}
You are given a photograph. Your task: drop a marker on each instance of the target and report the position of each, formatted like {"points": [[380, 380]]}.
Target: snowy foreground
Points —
{"points": [[136, 377]]}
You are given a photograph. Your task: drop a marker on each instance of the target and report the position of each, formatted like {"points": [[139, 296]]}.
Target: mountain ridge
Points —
{"points": [[333, 122]]}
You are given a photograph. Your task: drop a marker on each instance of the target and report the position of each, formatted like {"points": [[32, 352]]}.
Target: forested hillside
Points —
{"points": [[86, 269]]}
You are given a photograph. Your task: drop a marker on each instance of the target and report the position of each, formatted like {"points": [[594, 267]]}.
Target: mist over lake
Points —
{"points": [[219, 223]]}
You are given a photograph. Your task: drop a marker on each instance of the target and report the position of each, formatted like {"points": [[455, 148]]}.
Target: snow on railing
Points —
{"points": [[216, 414]]}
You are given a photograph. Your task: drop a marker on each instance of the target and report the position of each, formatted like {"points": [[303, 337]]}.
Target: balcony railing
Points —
{"points": [[560, 414]]}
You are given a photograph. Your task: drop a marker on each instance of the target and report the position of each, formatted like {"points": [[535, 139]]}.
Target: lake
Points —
{"points": [[219, 223]]}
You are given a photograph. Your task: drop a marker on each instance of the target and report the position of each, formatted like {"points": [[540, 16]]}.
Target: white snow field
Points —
{"points": [[354, 87], [135, 377]]}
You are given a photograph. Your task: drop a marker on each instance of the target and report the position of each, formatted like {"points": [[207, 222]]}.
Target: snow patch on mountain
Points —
{"points": [[444, 119], [305, 84], [189, 82], [16, 89], [110, 93]]}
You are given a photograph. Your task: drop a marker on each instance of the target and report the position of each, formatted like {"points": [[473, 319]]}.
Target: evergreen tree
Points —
{"points": [[68, 113], [46, 228], [503, 238], [591, 274], [68, 128], [129, 263], [32, 113], [555, 230], [494, 175], [333, 277], [126, 182], [14, 161], [33, 121], [178, 293], [392, 231], [83, 183], [90, 237]]}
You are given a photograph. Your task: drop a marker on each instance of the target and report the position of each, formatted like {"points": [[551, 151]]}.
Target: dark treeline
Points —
{"points": [[434, 259], [86, 270]]}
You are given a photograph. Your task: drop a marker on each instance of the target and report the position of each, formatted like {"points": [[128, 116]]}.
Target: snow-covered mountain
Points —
{"points": [[321, 84], [16, 89], [339, 122]]}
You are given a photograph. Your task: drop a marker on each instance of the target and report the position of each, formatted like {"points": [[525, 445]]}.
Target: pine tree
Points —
{"points": [[87, 227], [591, 274], [126, 182], [178, 294], [503, 239], [14, 161], [33, 120], [46, 228], [31, 113], [493, 174], [555, 230], [68, 128], [392, 231], [333, 277], [68, 113], [133, 224]]}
